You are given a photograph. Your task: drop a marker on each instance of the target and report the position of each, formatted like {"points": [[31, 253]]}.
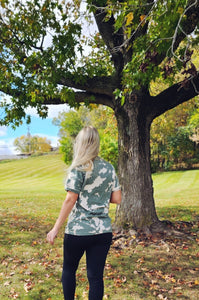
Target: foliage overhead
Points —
{"points": [[42, 57]]}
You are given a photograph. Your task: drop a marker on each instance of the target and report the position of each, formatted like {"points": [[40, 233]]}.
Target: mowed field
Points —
{"points": [[33, 184], [31, 195]]}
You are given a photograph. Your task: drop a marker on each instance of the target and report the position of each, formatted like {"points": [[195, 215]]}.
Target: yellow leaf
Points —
{"points": [[180, 10], [142, 17], [2, 3], [129, 18]]}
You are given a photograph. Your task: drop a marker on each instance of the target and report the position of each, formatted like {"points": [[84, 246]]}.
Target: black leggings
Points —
{"points": [[96, 247]]}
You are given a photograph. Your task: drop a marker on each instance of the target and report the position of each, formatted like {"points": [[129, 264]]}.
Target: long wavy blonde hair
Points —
{"points": [[86, 149]]}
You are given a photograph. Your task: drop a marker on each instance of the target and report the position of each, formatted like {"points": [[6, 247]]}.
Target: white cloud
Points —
{"points": [[3, 130], [5, 97], [6, 147], [53, 110], [5, 151], [31, 111]]}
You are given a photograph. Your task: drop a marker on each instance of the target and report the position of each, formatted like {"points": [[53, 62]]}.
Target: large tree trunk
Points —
{"points": [[137, 208]]}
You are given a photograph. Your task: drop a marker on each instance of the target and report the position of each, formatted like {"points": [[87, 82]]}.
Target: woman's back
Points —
{"points": [[90, 214]]}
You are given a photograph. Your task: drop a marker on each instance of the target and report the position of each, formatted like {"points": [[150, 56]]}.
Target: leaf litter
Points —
{"points": [[154, 266], [163, 264]]}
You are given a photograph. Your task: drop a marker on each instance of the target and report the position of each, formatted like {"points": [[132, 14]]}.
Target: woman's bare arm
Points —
{"points": [[67, 206]]}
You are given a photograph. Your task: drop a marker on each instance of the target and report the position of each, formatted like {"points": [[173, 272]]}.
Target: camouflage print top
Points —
{"points": [[90, 216]]}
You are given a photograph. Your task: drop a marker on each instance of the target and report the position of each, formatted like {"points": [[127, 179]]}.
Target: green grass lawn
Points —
{"points": [[31, 194], [177, 194]]}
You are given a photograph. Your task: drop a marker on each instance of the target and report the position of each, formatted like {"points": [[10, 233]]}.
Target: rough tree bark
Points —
{"points": [[134, 121], [137, 208]]}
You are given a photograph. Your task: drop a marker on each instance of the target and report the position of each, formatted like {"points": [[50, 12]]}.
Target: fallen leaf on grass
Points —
{"points": [[13, 294], [48, 275], [40, 281], [146, 283], [28, 273], [28, 286], [123, 279], [119, 281], [160, 296], [196, 282], [176, 268], [111, 274], [155, 287], [4, 263], [140, 260], [82, 279], [34, 243], [179, 295]]}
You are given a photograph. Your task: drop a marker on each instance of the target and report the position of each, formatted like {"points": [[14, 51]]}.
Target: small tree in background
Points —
{"points": [[28, 144]]}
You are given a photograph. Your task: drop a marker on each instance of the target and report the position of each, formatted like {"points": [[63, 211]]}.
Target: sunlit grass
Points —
{"points": [[177, 188]]}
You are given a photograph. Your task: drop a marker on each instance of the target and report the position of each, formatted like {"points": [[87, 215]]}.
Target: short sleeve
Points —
{"points": [[75, 181], [116, 185]]}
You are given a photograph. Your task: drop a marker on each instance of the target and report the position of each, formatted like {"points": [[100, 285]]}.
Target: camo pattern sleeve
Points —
{"points": [[90, 214]]}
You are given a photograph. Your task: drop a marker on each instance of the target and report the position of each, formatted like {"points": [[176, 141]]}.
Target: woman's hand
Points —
{"points": [[51, 236]]}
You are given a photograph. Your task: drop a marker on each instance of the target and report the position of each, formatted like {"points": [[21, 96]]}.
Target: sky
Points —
{"points": [[38, 126]]}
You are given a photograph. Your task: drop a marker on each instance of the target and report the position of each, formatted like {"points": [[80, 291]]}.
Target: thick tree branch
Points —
{"points": [[83, 97], [111, 38], [175, 95], [119, 47], [79, 97], [98, 85]]}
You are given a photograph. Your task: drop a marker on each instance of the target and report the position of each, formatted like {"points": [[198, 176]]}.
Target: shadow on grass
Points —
{"points": [[178, 213]]}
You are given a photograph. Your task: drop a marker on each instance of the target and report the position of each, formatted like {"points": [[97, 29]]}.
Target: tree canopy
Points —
{"points": [[42, 57]]}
